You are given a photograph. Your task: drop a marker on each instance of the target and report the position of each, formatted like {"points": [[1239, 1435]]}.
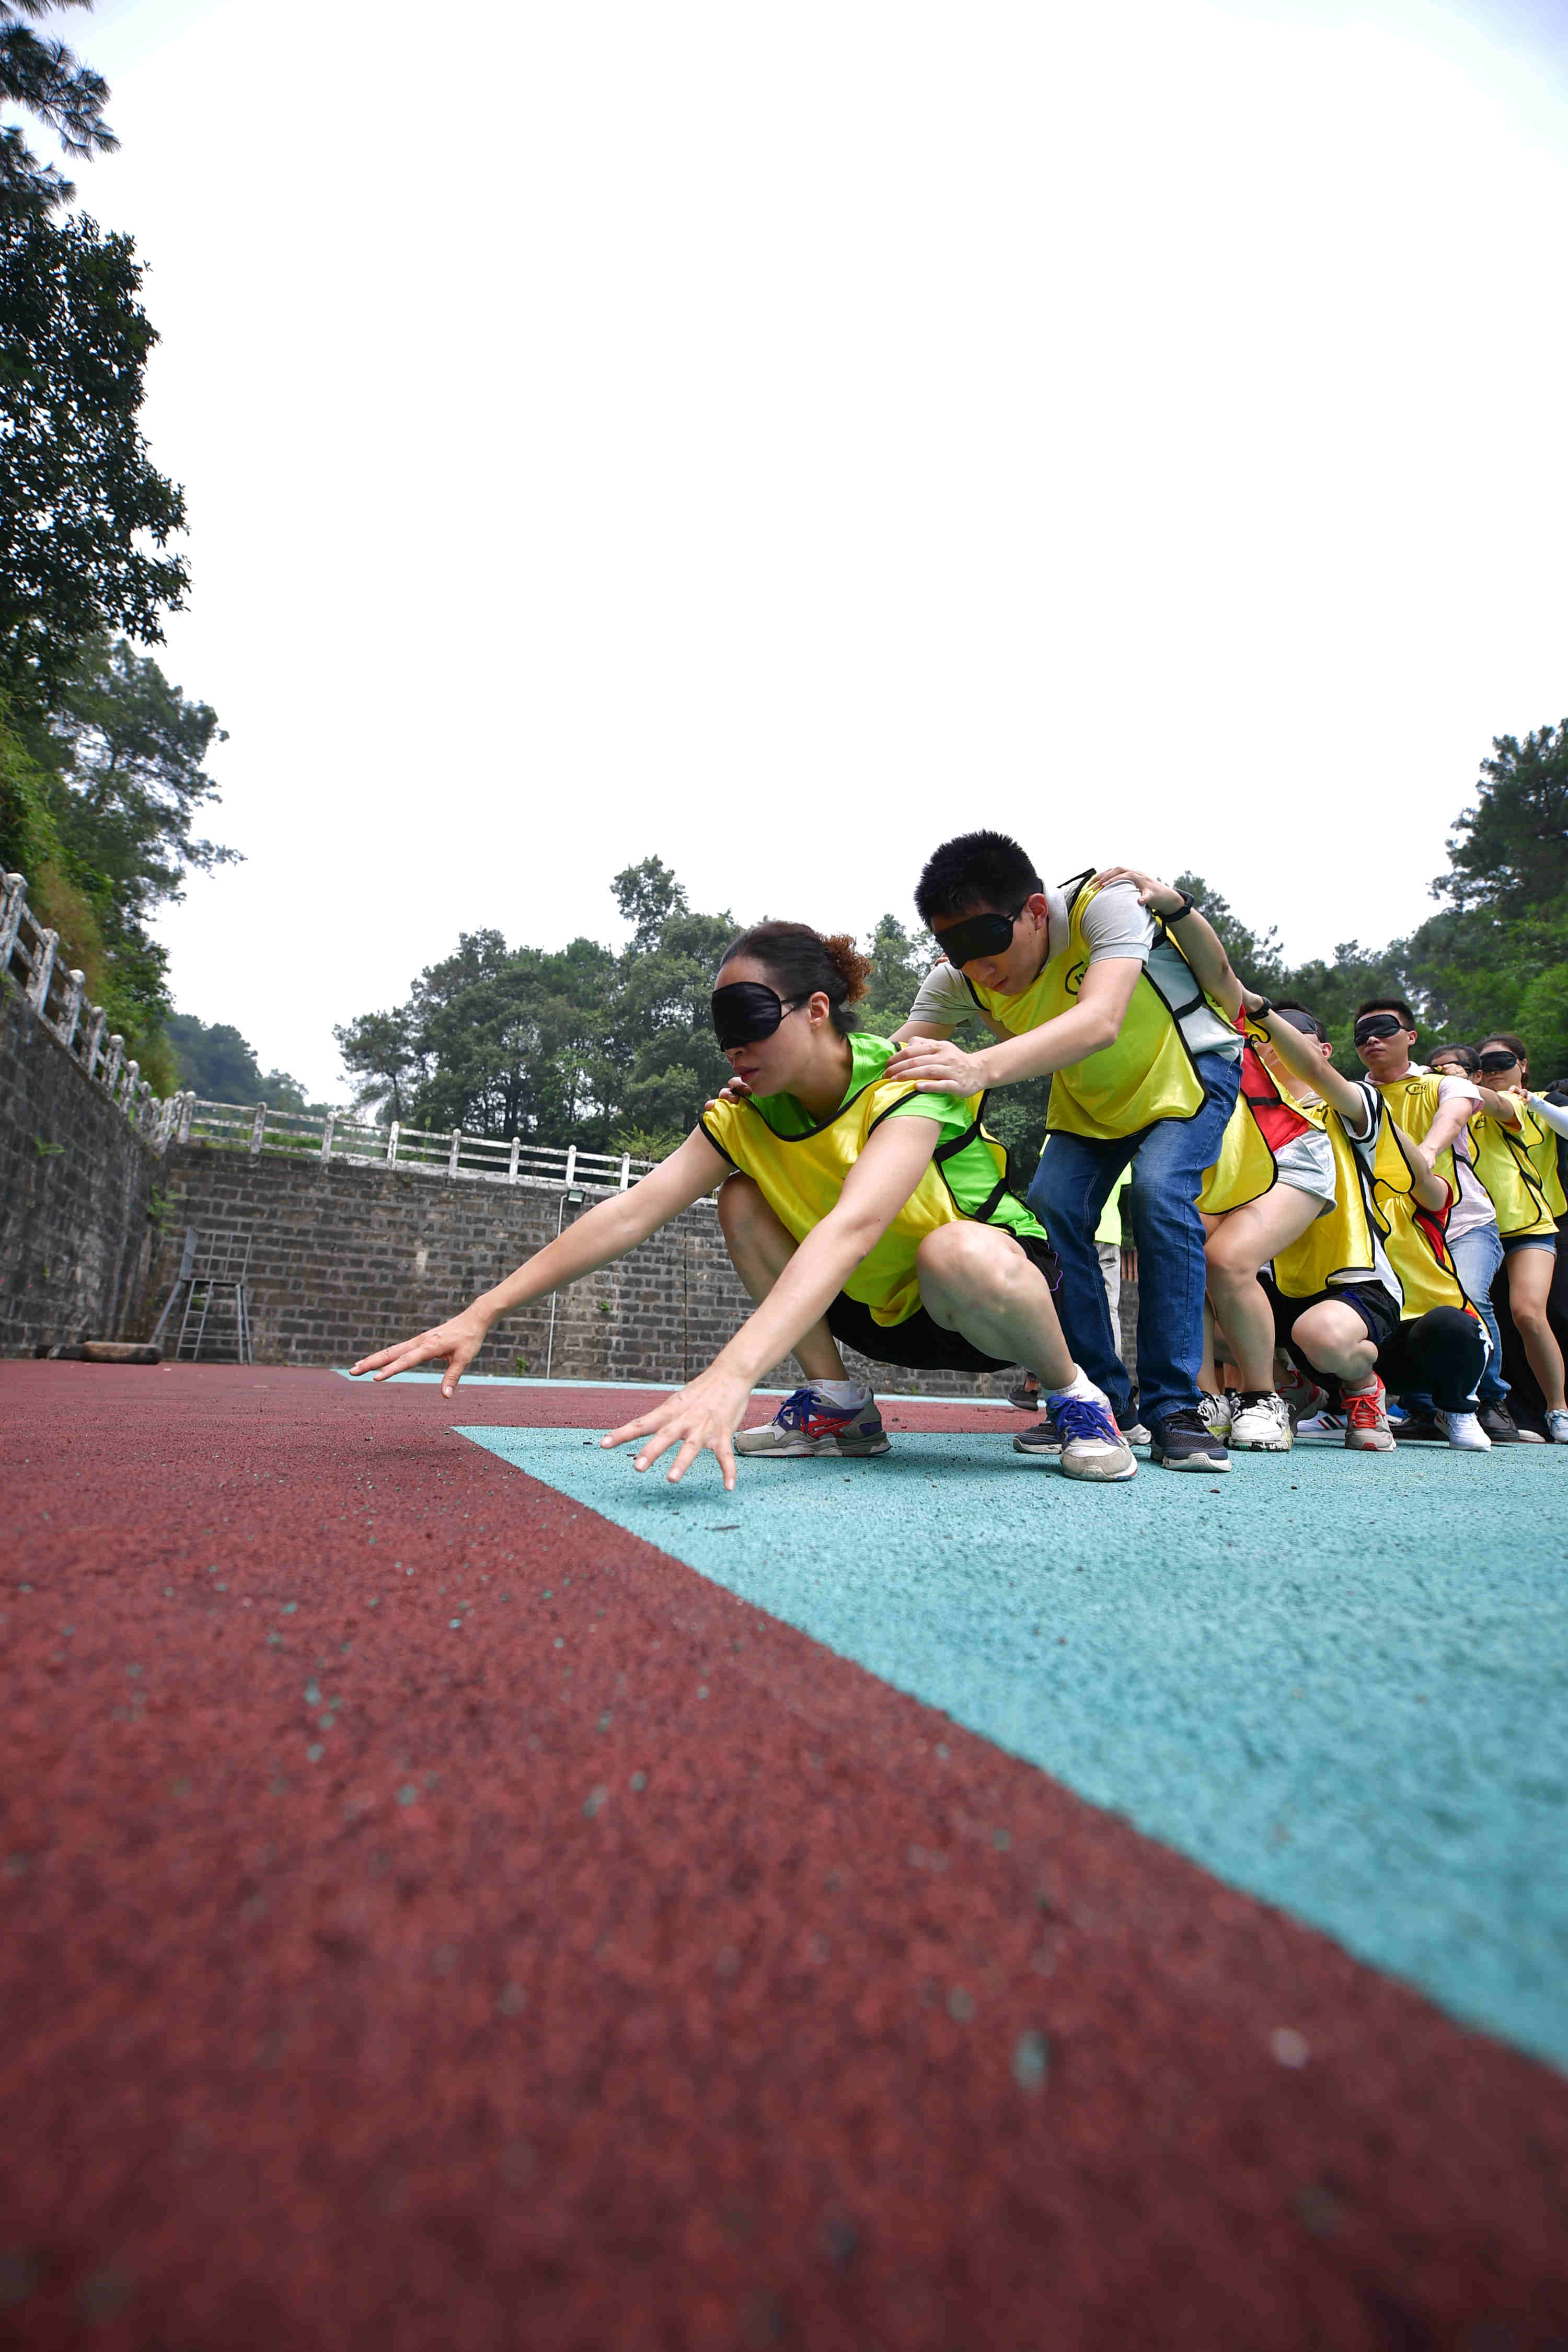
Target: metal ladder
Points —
{"points": [[213, 1269]]}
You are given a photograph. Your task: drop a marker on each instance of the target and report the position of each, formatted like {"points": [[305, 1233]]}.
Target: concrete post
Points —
{"points": [[94, 1046], [392, 1143], [258, 1128], [43, 970], [70, 1011], [452, 1155], [332, 1120], [188, 1108], [111, 1066], [512, 1171], [13, 905]]}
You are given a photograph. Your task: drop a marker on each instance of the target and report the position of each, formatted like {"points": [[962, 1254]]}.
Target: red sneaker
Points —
{"points": [[1366, 1419]]}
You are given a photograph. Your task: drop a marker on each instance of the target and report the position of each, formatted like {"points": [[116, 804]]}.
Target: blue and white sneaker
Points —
{"points": [[1081, 1431], [810, 1423]]}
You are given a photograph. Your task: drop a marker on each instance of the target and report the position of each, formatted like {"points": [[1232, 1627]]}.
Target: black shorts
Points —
{"points": [[919, 1344], [1378, 1309]]}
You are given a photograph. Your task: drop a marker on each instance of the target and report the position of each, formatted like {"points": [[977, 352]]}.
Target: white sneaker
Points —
{"points": [[1263, 1426], [1557, 1429], [1327, 1424], [1463, 1430], [1217, 1413]]}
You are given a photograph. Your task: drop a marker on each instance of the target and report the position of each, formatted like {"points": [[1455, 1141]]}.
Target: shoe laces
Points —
{"points": [[803, 1406], [1188, 1417], [1079, 1418], [1364, 1408]]}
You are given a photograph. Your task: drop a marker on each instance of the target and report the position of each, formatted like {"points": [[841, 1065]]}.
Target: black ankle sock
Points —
{"points": [[1254, 1396]]}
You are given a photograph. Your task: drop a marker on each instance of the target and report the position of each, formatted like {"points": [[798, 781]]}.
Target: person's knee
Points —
{"points": [[740, 1201], [962, 1260], [1230, 1256], [1530, 1317]]}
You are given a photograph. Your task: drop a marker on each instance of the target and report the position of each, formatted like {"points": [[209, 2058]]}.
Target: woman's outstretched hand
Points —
{"points": [[703, 1418], [459, 1341]]}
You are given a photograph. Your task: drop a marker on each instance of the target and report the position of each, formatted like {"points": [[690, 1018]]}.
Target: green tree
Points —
{"points": [[45, 79], [1509, 852], [85, 516], [900, 961]]}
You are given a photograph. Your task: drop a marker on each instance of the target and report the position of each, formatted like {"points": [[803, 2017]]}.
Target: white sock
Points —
{"points": [[842, 1393], [1080, 1385]]}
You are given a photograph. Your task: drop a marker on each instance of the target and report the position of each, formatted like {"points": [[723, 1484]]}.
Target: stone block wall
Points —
{"points": [[77, 1186], [346, 1258]]}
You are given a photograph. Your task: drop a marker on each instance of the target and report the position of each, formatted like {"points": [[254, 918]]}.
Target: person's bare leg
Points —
{"points": [[975, 1279], [1334, 1338], [760, 1248], [1529, 1273], [1245, 1242]]}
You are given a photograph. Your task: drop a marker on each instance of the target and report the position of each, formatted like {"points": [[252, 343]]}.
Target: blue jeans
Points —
{"points": [[1477, 1258], [1075, 1178]]}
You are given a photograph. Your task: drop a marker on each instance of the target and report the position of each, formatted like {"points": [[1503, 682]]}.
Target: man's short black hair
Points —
{"points": [[977, 870], [1294, 1005], [1389, 1004]]}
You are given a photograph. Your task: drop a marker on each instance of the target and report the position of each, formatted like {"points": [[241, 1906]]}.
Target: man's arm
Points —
{"points": [[709, 1410], [1094, 1023], [1302, 1055], [1457, 1100], [1427, 1186], [603, 1232]]}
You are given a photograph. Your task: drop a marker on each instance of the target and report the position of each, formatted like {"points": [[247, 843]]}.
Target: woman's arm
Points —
{"points": [[707, 1410], [603, 1232], [1550, 1114]]}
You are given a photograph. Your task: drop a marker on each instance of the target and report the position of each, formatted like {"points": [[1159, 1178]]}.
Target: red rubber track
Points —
{"points": [[464, 2036]]}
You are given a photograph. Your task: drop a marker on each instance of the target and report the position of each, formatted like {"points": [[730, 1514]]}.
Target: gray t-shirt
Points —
{"points": [[1114, 925]]}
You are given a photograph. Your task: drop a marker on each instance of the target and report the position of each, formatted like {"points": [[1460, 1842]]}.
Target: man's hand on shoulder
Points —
{"points": [[938, 1067], [1157, 896]]}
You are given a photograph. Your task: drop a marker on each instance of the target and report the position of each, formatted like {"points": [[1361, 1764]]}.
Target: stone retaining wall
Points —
{"points": [[348, 1256], [77, 1186]]}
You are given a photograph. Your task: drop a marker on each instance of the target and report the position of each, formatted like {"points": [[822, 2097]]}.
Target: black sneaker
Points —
{"points": [[1499, 1424], [1184, 1441], [1417, 1428]]}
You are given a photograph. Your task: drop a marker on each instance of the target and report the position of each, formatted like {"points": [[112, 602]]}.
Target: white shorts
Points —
{"points": [[1307, 1163]]}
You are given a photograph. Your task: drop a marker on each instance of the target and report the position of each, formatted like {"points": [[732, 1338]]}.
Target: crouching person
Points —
{"points": [[1369, 1299], [855, 1206]]}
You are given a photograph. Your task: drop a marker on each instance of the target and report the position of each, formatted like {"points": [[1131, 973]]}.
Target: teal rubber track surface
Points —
{"points": [[1335, 1680]]}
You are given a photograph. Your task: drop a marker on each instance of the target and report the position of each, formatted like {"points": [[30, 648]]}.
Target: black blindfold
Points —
{"points": [[1496, 1060], [746, 1012], [1377, 1025], [979, 935]]}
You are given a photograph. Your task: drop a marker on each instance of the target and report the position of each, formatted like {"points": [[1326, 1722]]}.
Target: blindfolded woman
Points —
{"points": [[855, 1208]]}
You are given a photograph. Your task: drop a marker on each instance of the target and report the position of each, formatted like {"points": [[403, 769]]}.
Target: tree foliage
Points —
{"points": [[214, 1059], [100, 801], [84, 514], [45, 79]]}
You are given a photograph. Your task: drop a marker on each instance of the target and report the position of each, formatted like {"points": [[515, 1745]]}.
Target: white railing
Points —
{"points": [[30, 954], [338, 1135]]}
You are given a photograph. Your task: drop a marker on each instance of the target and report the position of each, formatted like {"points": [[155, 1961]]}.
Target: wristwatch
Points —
{"points": [[1264, 1006], [1185, 909]]}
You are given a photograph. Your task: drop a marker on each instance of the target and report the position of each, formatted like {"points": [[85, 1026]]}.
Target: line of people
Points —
{"points": [[1276, 1206]]}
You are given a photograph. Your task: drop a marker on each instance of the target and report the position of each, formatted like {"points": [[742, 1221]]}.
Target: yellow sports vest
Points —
{"points": [[1147, 1074], [1413, 1101], [1339, 1247], [1521, 1172], [1264, 1120], [801, 1178]]}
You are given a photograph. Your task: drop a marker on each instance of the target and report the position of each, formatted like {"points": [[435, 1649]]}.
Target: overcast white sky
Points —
{"points": [[779, 437]]}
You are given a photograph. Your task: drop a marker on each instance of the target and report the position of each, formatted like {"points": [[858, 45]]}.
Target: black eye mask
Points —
{"points": [[1377, 1025], [1301, 1021], [746, 1012], [978, 934], [1494, 1062]]}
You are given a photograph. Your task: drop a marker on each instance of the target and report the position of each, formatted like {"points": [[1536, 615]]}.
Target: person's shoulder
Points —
{"points": [[1114, 913]]}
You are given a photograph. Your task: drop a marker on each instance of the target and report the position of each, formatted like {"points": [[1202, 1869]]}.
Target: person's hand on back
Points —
{"points": [[1157, 896]]}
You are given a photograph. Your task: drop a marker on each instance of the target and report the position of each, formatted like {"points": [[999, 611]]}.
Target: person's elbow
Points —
{"points": [[1101, 1028]]}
